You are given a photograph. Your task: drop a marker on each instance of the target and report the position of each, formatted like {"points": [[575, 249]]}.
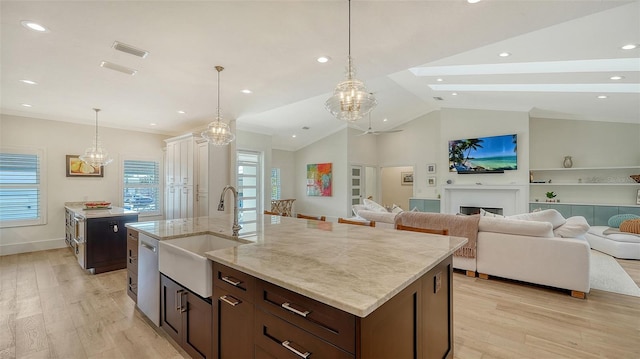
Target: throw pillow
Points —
{"points": [[373, 206], [357, 208], [615, 221], [484, 213], [575, 227], [415, 209], [631, 226], [548, 215]]}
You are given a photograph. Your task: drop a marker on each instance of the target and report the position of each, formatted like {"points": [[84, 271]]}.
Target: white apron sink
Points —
{"points": [[183, 260]]}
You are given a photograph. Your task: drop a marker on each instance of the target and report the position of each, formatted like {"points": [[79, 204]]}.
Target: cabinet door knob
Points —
{"points": [[230, 300], [234, 282], [289, 345], [302, 312]]}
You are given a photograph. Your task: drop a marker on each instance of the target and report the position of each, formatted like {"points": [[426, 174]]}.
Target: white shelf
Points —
{"points": [[587, 204], [585, 168], [585, 184]]}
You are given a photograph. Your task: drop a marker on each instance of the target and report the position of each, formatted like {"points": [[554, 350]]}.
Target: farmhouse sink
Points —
{"points": [[183, 260]]}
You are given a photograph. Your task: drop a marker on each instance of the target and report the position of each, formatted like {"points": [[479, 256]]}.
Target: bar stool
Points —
{"points": [[444, 232], [357, 223], [317, 218]]}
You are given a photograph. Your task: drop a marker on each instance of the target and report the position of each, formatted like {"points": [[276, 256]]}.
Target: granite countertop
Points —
{"points": [[352, 268], [78, 209]]}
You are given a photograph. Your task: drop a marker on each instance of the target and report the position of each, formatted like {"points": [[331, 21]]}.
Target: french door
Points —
{"points": [[249, 165]]}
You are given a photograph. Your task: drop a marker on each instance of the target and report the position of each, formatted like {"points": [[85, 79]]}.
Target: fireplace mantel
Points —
{"points": [[512, 199]]}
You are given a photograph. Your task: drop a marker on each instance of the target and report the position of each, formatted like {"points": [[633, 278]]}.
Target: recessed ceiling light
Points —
{"points": [[473, 1], [181, 112], [33, 26], [385, 120], [323, 59], [454, 94], [294, 136], [629, 47], [247, 91], [26, 105], [616, 77], [153, 124], [602, 96], [29, 82], [439, 80], [504, 54]]}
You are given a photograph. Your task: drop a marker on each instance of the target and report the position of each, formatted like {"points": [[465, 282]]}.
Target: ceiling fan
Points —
{"points": [[370, 131]]}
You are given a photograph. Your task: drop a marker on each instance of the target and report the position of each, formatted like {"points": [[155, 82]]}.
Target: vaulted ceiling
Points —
{"points": [[400, 49]]}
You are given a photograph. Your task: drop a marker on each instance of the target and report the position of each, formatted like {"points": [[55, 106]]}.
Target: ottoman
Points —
{"points": [[614, 243]]}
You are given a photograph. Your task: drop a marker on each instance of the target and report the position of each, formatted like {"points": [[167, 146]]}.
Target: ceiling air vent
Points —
{"points": [[438, 98], [130, 49], [305, 127], [119, 68]]}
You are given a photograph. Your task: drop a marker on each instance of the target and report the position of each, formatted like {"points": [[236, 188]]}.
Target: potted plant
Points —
{"points": [[551, 195]]}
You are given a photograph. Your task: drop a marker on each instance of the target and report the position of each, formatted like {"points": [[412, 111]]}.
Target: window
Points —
{"points": [[22, 201], [141, 190], [275, 183]]}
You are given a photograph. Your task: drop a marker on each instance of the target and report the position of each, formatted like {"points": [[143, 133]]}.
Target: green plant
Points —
{"points": [[551, 195]]}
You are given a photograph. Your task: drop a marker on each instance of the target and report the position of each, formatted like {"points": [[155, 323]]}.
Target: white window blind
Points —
{"points": [[141, 186], [21, 189]]}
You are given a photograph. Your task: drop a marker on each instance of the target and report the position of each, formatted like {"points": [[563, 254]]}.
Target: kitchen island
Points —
{"points": [[338, 290]]}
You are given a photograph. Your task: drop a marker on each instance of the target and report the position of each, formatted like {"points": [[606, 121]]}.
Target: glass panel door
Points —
{"points": [[249, 194], [356, 184]]}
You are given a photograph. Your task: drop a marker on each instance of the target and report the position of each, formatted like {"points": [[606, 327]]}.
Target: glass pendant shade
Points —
{"points": [[350, 101], [218, 133], [96, 155]]}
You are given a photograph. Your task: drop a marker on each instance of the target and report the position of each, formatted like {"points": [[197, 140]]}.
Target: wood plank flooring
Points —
{"points": [[50, 308]]}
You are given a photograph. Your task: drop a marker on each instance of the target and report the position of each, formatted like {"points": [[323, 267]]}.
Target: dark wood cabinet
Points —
{"points": [[106, 243], [186, 318], [233, 313], [132, 264], [417, 322]]}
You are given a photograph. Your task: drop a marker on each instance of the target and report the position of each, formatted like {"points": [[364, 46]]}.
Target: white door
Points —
{"points": [[202, 180], [356, 185], [249, 189]]}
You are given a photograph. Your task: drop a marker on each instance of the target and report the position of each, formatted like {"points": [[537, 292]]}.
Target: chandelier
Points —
{"points": [[218, 132], [350, 101], [95, 155]]}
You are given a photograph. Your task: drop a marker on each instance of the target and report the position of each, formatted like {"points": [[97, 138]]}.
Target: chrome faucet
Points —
{"points": [[236, 227]]}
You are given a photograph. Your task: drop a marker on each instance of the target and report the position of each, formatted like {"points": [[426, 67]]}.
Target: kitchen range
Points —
{"points": [[96, 233]]}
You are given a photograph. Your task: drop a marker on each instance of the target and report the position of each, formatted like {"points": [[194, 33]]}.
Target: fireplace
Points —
{"points": [[512, 199], [476, 210]]}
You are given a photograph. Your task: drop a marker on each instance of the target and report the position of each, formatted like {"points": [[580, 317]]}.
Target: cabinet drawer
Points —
{"points": [[324, 321], [283, 340], [236, 283]]}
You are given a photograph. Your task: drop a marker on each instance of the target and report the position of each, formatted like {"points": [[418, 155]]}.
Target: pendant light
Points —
{"points": [[350, 101], [218, 133], [95, 155]]}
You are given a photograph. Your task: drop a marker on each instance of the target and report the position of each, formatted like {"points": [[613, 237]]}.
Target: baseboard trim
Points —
{"points": [[17, 248]]}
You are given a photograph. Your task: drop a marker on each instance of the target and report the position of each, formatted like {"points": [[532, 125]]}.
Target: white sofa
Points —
{"points": [[542, 248]]}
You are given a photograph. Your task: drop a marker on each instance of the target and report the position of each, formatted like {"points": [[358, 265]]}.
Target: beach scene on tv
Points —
{"points": [[484, 154]]}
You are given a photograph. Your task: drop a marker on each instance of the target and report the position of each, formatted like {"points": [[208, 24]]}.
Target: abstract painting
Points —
{"points": [[319, 179]]}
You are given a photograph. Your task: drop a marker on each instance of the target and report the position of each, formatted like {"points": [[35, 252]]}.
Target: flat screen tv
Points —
{"points": [[494, 154]]}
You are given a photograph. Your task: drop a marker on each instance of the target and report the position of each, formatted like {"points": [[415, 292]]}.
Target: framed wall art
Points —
{"points": [[319, 176], [431, 181], [406, 178], [431, 168], [77, 168]]}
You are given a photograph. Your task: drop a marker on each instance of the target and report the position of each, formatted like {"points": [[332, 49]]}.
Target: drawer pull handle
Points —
{"points": [[234, 282], [289, 345], [289, 307], [230, 300]]}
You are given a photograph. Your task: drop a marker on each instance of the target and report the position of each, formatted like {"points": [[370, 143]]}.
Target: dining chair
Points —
{"points": [[357, 223], [272, 213], [444, 232]]}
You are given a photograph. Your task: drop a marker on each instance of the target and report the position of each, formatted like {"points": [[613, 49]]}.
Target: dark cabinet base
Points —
{"points": [[106, 243]]}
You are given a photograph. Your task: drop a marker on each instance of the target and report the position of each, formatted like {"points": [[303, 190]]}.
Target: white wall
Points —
{"points": [[285, 161], [59, 139], [417, 145], [331, 149]]}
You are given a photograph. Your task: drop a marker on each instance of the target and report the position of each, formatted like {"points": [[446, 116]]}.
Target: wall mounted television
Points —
{"points": [[494, 154]]}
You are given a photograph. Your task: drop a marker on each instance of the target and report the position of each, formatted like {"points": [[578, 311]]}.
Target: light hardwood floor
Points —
{"points": [[50, 308]]}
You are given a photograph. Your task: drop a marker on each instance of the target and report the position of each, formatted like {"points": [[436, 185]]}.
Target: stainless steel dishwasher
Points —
{"points": [[148, 278]]}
